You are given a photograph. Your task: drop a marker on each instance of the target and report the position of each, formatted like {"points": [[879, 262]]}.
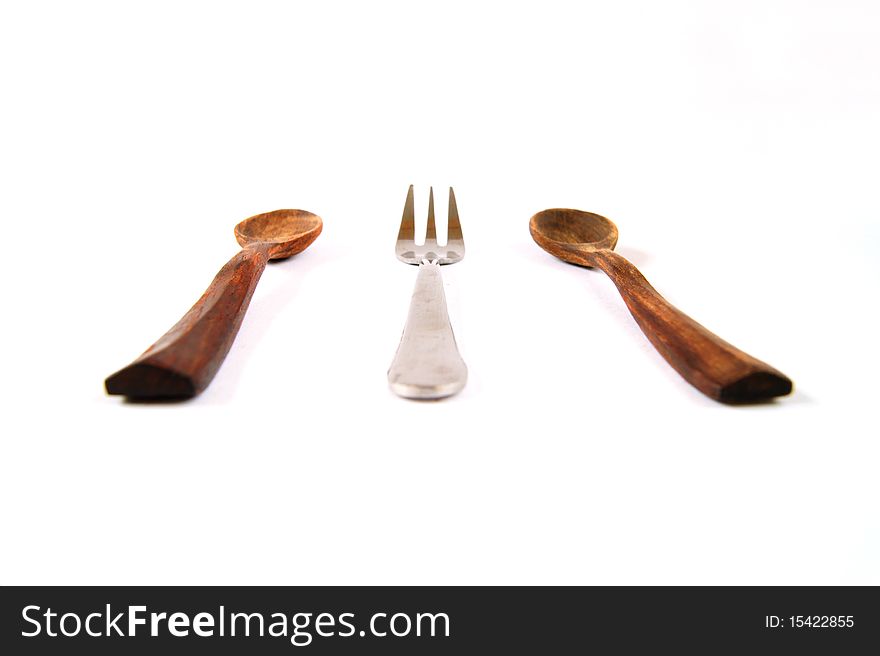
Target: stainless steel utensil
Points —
{"points": [[427, 364]]}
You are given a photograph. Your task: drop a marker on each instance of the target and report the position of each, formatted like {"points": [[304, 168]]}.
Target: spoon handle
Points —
{"points": [[427, 364], [716, 368], [185, 359]]}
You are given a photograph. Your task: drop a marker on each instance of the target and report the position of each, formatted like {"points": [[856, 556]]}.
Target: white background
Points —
{"points": [[736, 146]]}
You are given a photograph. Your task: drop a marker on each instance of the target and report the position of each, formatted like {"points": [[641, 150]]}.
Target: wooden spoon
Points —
{"points": [[719, 370], [185, 359]]}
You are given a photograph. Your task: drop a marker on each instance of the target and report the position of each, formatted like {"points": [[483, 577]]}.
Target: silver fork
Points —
{"points": [[427, 364]]}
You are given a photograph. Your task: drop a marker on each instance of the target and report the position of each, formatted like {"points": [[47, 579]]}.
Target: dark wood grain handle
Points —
{"points": [[185, 359], [716, 368]]}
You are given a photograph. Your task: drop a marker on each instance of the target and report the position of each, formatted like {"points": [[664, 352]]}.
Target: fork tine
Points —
{"points": [[407, 230], [431, 234], [454, 229]]}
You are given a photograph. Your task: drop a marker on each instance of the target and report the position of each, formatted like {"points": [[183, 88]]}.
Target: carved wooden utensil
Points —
{"points": [[706, 361], [185, 359]]}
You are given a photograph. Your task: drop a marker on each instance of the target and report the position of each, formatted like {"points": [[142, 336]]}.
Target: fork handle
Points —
{"points": [[427, 364], [718, 369]]}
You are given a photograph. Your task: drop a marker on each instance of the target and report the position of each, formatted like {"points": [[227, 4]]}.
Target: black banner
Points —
{"points": [[422, 620]]}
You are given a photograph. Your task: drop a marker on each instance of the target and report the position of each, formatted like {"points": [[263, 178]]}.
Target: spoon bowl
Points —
{"points": [[573, 235], [287, 232]]}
